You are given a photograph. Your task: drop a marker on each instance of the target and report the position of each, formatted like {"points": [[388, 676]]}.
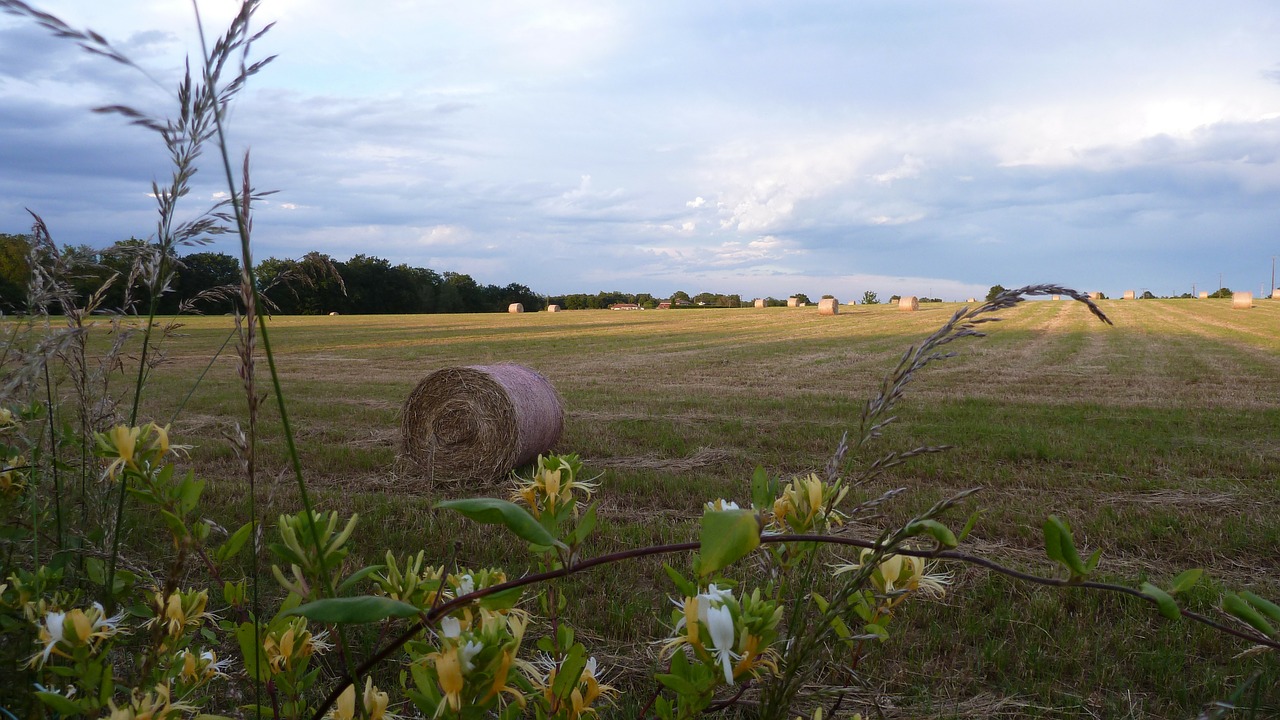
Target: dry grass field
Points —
{"points": [[1158, 439]]}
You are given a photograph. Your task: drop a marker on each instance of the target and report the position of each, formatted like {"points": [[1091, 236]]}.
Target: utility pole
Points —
{"points": [[1273, 275], [1219, 281]]}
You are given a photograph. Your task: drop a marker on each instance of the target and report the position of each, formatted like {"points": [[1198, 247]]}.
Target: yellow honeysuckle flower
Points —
{"points": [[150, 706], [449, 671]]}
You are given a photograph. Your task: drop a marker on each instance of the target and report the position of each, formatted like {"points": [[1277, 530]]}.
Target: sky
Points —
{"points": [[760, 148]]}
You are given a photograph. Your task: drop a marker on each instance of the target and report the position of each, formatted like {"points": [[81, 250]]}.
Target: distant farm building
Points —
{"points": [[625, 306]]}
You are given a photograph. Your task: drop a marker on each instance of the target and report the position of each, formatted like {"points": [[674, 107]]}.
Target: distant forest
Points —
{"points": [[314, 284]]}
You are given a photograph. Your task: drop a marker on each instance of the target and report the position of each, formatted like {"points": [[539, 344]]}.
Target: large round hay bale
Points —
{"points": [[1095, 296], [553, 308], [829, 306], [1275, 294], [759, 302], [1204, 295], [1129, 295], [1056, 297], [515, 308], [973, 300], [793, 302], [479, 422], [1242, 300], [910, 303]]}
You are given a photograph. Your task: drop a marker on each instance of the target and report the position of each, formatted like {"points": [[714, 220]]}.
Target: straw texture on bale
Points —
{"points": [[1057, 297], [1129, 295], [1095, 296], [1275, 294], [479, 422], [553, 308], [829, 306], [793, 302], [1242, 300], [909, 303], [515, 308], [1204, 294], [759, 302]]}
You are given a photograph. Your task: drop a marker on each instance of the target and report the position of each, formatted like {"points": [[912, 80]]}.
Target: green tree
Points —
{"points": [[802, 298], [1221, 293], [200, 273], [15, 271], [994, 291], [870, 298]]}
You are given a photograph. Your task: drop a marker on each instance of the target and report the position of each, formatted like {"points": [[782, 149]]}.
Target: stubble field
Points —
{"points": [[1158, 439]]}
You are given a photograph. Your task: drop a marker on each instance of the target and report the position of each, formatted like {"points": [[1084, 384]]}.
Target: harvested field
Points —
{"points": [[1156, 439]]}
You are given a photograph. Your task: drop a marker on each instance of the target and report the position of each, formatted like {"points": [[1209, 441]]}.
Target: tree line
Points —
{"points": [[311, 285]]}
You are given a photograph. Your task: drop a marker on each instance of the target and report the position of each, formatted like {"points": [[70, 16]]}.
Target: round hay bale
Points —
{"points": [[1241, 300], [759, 302], [910, 303], [1129, 295], [1275, 294], [1204, 294], [515, 308], [553, 308], [829, 306], [479, 422], [793, 302], [973, 300], [332, 314], [1095, 296], [1056, 297]]}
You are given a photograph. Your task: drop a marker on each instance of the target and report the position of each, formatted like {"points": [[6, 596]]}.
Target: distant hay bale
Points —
{"points": [[1204, 294], [478, 422], [1129, 295], [1241, 300], [829, 306], [1095, 296], [759, 302], [909, 303], [553, 308], [793, 302], [332, 314], [1275, 294], [515, 308], [972, 300]]}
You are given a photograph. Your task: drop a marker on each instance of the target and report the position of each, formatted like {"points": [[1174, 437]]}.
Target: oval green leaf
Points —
{"points": [[363, 609], [726, 537], [492, 511], [1168, 607]]}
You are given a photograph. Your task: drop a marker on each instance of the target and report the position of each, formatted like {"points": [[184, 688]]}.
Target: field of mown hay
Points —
{"points": [[1157, 439]]}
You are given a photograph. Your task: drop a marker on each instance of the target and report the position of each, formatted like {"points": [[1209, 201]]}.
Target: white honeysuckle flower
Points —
{"points": [[53, 629], [591, 667], [719, 622], [468, 651], [720, 504], [466, 585], [717, 595], [450, 627]]}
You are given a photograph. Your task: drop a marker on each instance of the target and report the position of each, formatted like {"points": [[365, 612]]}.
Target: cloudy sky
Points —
{"points": [[763, 148]]}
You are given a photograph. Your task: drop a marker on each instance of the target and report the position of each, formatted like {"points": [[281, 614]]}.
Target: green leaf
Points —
{"points": [[1266, 607], [1067, 554], [762, 494], [686, 588], [232, 546], [1238, 607], [364, 609], [678, 684], [877, 630], [726, 536], [820, 601], [251, 652], [586, 524], [1185, 580], [492, 511], [357, 576], [1093, 560], [60, 704], [1052, 541], [936, 530], [570, 671], [1164, 601], [503, 600], [969, 525]]}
